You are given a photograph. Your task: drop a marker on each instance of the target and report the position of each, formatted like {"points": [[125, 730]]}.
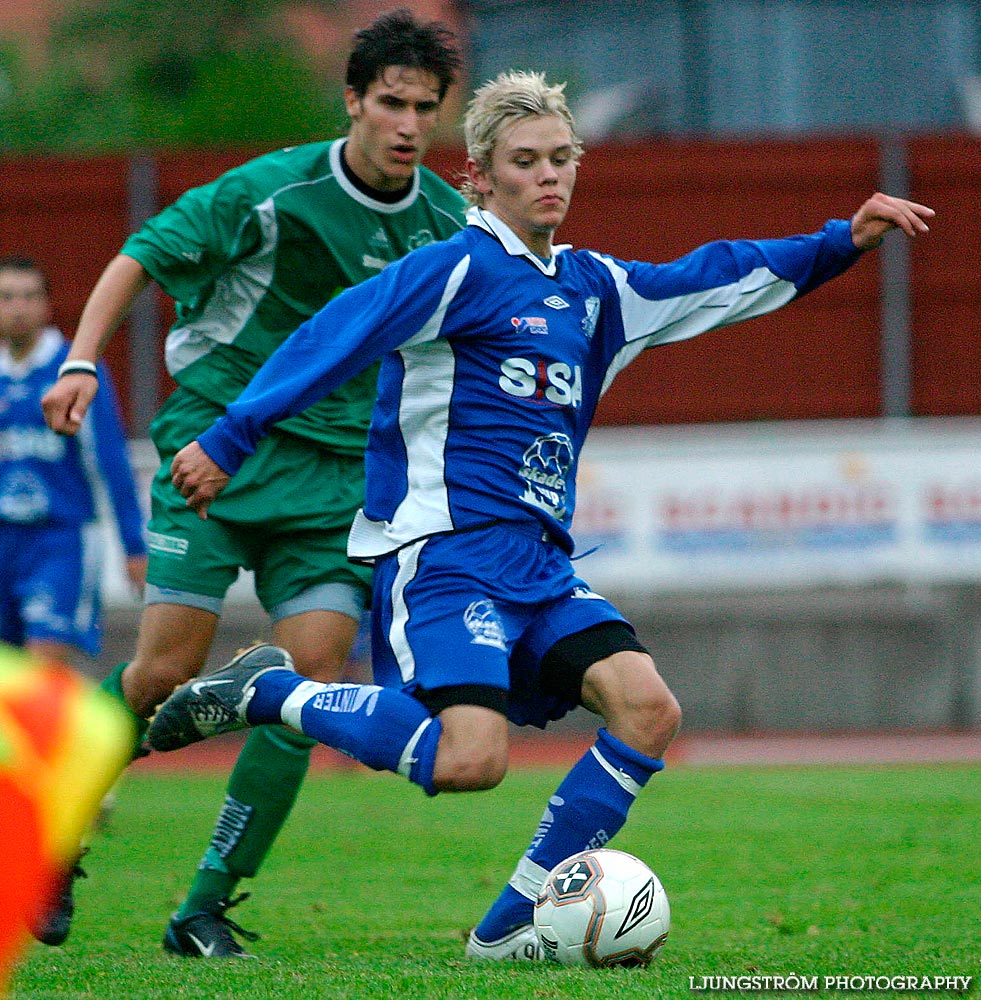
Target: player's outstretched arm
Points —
{"points": [[197, 477], [68, 400], [881, 213]]}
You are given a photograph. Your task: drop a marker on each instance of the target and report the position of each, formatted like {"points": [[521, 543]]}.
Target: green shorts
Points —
{"points": [[285, 516]]}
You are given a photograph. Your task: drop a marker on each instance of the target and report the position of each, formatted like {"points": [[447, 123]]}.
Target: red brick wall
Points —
{"points": [[946, 174], [71, 217], [818, 357]]}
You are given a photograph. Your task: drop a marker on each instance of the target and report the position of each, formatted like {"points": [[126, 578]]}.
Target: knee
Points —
{"points": [[319, 642], [327, 670], [473, 750], [320, 656], [655, 702], [148, 681], [473, 773], [650, 718], [635, 702], [663, 713]]}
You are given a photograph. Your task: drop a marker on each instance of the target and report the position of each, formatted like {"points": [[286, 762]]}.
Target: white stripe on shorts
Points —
{"points": [[408, 564]]}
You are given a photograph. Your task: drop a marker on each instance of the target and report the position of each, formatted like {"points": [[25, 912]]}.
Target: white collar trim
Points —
{"points": [[47, 346], [388, 208], [512, 243]]}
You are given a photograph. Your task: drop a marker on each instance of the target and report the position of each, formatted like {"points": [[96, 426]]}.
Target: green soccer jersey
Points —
{"points": [[250, 256]]}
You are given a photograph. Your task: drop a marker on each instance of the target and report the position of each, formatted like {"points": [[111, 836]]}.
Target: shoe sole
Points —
{"points": [[513, 947]]}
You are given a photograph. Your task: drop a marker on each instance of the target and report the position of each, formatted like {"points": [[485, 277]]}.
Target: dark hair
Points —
{"points": [[16, 262], [400, 39]]}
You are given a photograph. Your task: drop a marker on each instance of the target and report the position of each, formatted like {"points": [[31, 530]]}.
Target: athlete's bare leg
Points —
{"points": [[172, 646]]}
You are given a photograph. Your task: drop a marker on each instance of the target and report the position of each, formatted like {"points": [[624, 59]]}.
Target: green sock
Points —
{"points": [[113, 685], [260, 795]]}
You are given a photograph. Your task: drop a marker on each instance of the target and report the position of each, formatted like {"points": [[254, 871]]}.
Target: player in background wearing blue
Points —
{"points": [[496, 348], [50, 550], [247, 258], [51, 556]]}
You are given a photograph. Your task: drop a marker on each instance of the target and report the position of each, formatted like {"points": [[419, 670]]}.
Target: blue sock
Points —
{"points": [[587, 809], [268, 694], [381, 727]]}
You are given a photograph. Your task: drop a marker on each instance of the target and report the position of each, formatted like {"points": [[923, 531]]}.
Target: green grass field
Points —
{"points": [[814, 871]]}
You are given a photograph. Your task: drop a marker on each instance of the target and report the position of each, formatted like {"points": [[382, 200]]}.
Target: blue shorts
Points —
{"points": [[49, 586], [480, 607]]}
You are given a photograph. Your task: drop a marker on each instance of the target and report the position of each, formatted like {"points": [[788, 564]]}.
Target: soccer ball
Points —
{"points": [[602, 908]]}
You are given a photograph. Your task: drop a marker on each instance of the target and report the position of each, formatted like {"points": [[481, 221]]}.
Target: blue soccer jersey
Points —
{"points": [[49, 484], [48, 478], [494, 361]]}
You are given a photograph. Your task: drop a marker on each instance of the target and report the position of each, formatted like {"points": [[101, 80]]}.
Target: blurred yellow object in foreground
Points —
{"points": [[63, 742]]}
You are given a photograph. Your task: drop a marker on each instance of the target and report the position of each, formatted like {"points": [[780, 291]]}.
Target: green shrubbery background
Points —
{"points": [[154, 74]]}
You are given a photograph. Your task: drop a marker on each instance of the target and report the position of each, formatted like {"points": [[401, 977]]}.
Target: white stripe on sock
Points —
{"points": [[528, 879], [297, 698], [407, 759], [621, 777]]}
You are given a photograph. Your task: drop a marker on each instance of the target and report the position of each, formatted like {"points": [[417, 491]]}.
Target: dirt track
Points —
{"points": [[697, 749]]}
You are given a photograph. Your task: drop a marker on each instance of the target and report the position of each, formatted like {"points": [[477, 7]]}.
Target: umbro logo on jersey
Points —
{"points": [[555, 302]]}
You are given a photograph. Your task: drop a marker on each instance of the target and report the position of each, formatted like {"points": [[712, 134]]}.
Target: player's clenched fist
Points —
{"points": [[197, 478], [67, 402]]}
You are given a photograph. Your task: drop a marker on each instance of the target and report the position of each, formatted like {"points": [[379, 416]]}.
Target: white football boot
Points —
{"points": [[520, 945]]}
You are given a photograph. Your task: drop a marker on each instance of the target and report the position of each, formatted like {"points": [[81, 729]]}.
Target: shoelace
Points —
{"points": [[212, 709], [224, 905]]}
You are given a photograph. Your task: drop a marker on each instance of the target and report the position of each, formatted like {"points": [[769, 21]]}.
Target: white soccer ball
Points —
{"points": [[602, 908]]}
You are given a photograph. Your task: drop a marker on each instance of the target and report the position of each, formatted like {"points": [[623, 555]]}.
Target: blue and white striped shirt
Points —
{"points": [[494, 361]]}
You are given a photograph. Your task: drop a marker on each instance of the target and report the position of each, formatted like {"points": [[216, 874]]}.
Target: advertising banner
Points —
{"points": [[803, 504]]}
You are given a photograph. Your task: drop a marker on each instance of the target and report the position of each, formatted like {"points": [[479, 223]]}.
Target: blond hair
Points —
{"points": [[502, 102]]}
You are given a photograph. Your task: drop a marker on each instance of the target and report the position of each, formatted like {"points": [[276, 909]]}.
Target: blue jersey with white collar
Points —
{"points": [[494, 362], [47, 479]]}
